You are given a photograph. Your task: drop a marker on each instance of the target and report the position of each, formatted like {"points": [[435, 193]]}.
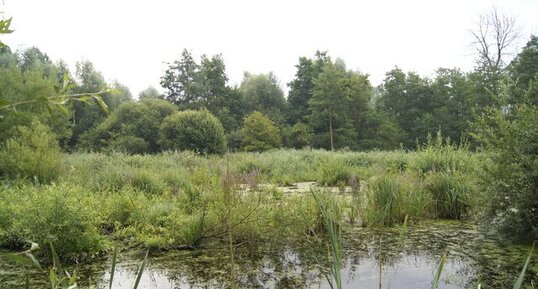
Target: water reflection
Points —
{"points": [[410, 263]]}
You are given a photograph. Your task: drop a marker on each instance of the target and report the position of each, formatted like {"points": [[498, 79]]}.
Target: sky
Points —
{"points": [[131, 41]]}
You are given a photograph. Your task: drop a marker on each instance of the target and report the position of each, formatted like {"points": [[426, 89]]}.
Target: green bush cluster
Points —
{"points": [[197, 131], [260, 133], [31, 153], [65, 215], [511, 178]]}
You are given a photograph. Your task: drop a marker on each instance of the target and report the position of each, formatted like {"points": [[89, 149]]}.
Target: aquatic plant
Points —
{"points": [[328, 210]]}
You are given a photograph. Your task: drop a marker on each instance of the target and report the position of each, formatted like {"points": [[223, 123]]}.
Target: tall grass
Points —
{"points": [[176, 200], [330, 215]]}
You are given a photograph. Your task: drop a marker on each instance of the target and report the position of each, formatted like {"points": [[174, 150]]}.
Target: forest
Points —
{"points": [[87, 168]]}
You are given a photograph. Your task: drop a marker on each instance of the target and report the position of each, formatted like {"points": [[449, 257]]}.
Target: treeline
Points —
{"points": [[328, 105]]}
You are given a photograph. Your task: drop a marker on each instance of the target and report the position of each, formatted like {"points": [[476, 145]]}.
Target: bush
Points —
{"points": [[441, 155], [62, 215], [197, 131], [133, 128], [512, 179], [260, 133], [130, 145], [33, 152]]}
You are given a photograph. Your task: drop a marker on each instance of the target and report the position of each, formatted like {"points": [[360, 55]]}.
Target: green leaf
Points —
{"points": [[56, 261], [113, 267], [4, 26], [440, 268], [62, 107], [140, 271], [101, 103], [519, 280]]}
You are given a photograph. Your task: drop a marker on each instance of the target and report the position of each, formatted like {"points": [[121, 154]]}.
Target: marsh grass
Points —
{"points": [[331, 216], [177, 200], [451, 194]]}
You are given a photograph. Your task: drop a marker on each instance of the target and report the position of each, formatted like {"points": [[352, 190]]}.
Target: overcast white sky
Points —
{"points": [[129, 40]]}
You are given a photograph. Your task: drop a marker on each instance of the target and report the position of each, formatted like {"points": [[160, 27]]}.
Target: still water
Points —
{"points": [[373, 258]]}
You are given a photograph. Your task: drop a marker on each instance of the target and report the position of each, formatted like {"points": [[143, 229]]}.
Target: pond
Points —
{"points": [[373, 258]]}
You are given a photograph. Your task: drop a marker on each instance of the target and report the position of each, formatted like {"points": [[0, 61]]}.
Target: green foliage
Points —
{"points": [[511, 180], [299, 136], [198, 131], [129, 144], [193, 85], [133, 128], [63, 215], [328, 107], [259, 133], [301, 87], [90, 113], [4, 28], [378, 131], [262, 93], [148, 94], [441, 155], [32, 153]]}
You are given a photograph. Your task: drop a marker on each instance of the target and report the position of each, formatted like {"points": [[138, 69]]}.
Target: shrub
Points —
{"points": [[61, 215], [133, 128], [32, 152], [260, 133], [511, 180], [130, 145], [197, 131], [441, 155]]}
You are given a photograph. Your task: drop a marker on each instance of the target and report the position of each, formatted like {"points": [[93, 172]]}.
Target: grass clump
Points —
{"points": [[390, 198], [451, 194], [441, 155], [335, 174]]}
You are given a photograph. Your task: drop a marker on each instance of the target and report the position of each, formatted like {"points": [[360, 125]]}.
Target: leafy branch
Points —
{"points": [[59, 99], [4, 28]]}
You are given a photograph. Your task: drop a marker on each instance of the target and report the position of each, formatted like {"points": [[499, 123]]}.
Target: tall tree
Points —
{"points": [[85, 116], [193, 85], [523, 68], [329, 108], [149, 93], [411, 102], [301, 87], [455, 102], [495, 38], [262, 93], [180, 81]]}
